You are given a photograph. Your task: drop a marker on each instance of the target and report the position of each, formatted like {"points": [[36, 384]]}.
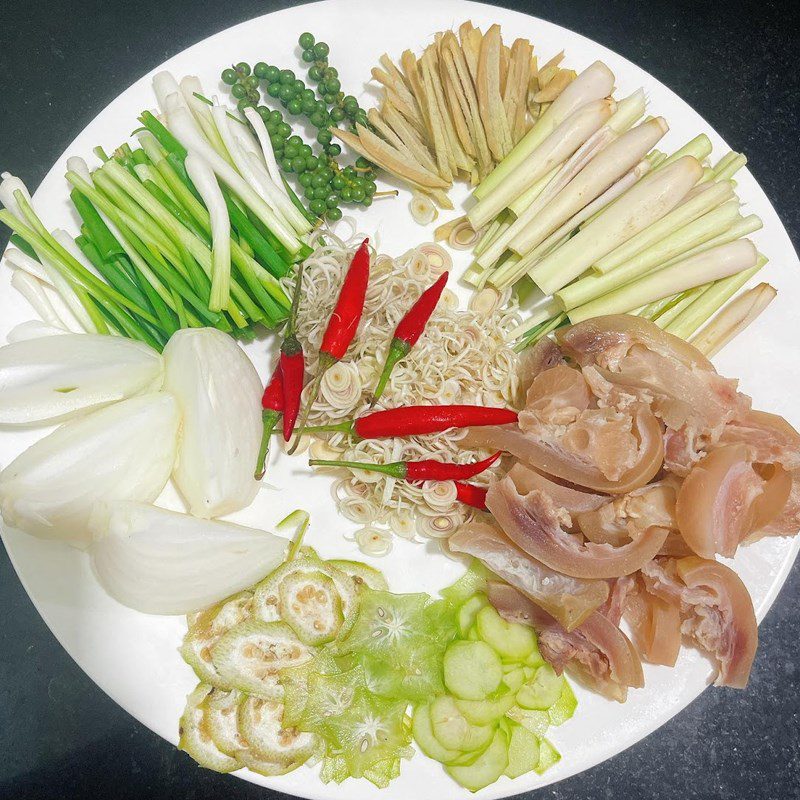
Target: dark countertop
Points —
{"points": [[62, 62]]}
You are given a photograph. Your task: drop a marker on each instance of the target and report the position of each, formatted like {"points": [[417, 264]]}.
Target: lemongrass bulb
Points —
{"points": [[374, 541], [125, 451], [439, 494], [422, 209], [341, 385], [219, 393], [163, 562], [47, 379]]}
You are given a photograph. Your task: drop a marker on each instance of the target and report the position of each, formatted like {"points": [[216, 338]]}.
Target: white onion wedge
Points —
{"points": [[164, 562], [219, 393], [122, 452], [48, 379]]}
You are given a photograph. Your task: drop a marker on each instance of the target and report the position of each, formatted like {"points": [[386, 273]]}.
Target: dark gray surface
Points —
{"points": [[61, 63]]}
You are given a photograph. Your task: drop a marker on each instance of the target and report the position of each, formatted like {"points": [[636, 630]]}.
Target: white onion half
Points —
{"points": [[219, 393], [163, 562], [54, 377], [122, 452]]}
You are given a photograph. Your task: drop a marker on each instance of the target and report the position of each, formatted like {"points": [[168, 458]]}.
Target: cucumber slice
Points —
{"points": [[487, 768], [473, 580], [564, 707], [485, 712], [468, 612], [523, 752], [541, 692], [195, 738], [472, 670], [423, 735], [535, 658], [267, 595], [221, 709], [548, 756], [362, 574], [451, 729], [204, 630], [512, 641], [472, 635], [249, 656], [260, 723], [387, 623], [536, 722], [311, 606], [514, 678]]}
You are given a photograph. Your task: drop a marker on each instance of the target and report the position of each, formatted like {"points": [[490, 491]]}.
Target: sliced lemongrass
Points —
{"points": [[601, 173], [720, 262], [204, 180], [733, 319], [691, 318], [682, 215], [594, 83], [555, 149], [441, 232], [547, 310], [422, 209], [463, 236], [629, 111], [742, 226], [731, 167], [643, 204]]}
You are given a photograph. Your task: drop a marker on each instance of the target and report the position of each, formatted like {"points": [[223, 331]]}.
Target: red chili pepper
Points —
{"points": [[293, 365], [418, 420], [425, 470], [471, 495], [272, 408], [342, 325], [409, 329]]}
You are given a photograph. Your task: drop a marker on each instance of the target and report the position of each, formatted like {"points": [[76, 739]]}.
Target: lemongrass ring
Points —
{"points": [[422, 209], [402, 521], [439, 259], [357, 510], [463, 236], [418, 267], [320, 449], [448, 301], [374, 541], [341, 385], [485, 302], [438, 527], [439, 494]]}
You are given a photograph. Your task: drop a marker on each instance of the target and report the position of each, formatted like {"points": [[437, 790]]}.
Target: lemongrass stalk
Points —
{"points": [[629, 111], [679, 242], [594, 83], [550, 308], [206, 184], [731, 168], [262, 134], [490, 233], [700, 147], [472, 275], [676, 219], [739, 228], [642, 205], [513, 269], [705, 306], [563, 175], [721, 262], [181, 127], [557, 147], [652, 310], [733, 319], [677, 304], [258, 177], [601, 173], [524, 200], [656, 158], [540, 332]]}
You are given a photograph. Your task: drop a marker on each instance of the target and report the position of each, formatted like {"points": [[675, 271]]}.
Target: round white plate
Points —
{"points": [[133, 657]]}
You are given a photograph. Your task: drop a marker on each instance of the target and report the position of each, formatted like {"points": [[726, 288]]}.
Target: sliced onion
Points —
{"points": [[219, 393], [163, 562], [52, 378], [123, 452]]}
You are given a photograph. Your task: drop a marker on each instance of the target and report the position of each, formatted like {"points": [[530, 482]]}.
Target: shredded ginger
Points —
{"points": [[462, 357]]}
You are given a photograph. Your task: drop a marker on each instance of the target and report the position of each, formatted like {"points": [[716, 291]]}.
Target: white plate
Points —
{"points": [[133, 657]]}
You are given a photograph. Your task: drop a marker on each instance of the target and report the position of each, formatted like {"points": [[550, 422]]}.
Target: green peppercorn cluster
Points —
{"points": [[325, 184]]}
